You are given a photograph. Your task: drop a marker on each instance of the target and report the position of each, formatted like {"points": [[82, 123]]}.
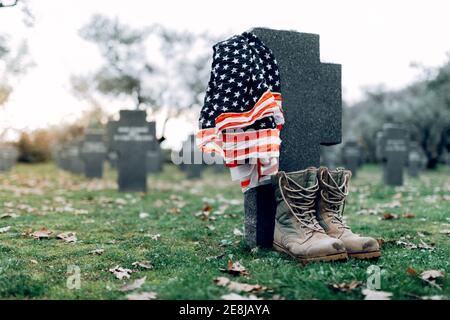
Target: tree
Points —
{"points": [[13, 63], [126, 67], [423, 107], [160, 69]]}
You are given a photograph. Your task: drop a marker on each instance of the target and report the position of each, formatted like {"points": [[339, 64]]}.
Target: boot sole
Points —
{"points": [[365, 255], [304, 260]]}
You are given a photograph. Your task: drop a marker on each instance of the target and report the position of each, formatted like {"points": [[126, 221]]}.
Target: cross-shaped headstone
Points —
{"points": [[351, 156], [394, 153], [312, 105], [93, 153], [131, 139]]}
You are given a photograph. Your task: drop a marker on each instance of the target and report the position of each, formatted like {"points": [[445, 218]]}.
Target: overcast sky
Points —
{"points": [[375, 41]]}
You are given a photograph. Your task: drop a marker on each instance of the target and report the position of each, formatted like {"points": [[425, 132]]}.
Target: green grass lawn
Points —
{"points": [[192, 247]]}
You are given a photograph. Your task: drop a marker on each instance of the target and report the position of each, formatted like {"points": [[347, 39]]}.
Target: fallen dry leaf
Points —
{"points": [[376, 295], [409, 215], [5, 229], [411, 271], [174, 210], [389, 216], [143, 264], [44, 233], [143, 215], [204, 214], [143, 296], [235, 296], [346, 287], [120, 272], [133, 286], [97, 251], [69, 237], [430, 275], [237, 286], [121, 201], [155, 237], [235, 268]]}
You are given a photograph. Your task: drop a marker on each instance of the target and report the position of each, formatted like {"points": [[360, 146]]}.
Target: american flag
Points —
{"points": [[242, 115]]}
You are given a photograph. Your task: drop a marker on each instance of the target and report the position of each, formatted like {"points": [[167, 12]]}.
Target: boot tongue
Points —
{"points": [[338, 177], [306, 178]]}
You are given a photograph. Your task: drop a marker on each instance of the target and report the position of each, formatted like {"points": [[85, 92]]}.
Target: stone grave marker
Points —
{"points": [[154, 155], [351, 156], [329, 157], [415, 159], [446, 158], [111, 154], [394, 153], [312, 105], [192, 159], [75, 164], [93, 153], [8, 157], [131, 139]]}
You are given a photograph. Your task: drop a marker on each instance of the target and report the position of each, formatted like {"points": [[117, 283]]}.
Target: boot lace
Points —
{"points": [[336, 201], [301, 202]]}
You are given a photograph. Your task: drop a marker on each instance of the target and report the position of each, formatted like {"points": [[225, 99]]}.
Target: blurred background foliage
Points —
{"points": [[423, 107]]}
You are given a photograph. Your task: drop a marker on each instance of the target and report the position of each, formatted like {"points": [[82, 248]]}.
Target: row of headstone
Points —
{"points": [[8, 157]]}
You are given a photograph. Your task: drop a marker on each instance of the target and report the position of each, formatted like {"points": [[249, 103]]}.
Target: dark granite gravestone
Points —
{"points": [[378, 146], [329, 157], [351, 156], [446, 158], [75, 164], [192, 159], [112, 155], [394, 152], [312, 105], [415, 159], [8, 157], [378, 151], [131, 139], [154, 155], [93, 153]]}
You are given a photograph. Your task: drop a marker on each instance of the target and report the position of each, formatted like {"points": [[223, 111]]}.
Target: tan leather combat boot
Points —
{"points": [[333, 191], [297, 231]]}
